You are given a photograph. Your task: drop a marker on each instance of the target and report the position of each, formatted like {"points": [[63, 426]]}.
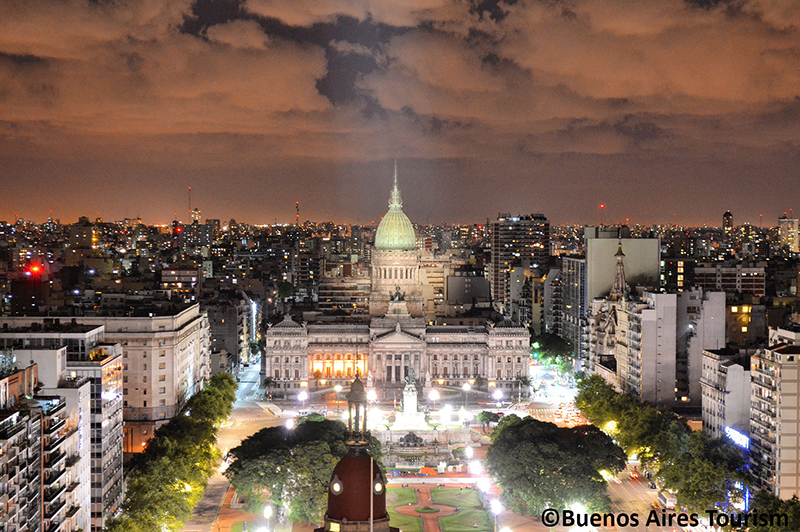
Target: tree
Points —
{"points": [[167, 480], [594, 400], [766, 504], [539, 465], [520, 382], [487, 417], [269, 382], [704, 472], [291, 467]]}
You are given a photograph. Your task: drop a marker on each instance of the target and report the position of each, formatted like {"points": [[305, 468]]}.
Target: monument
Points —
{"points": [[410, 418]]}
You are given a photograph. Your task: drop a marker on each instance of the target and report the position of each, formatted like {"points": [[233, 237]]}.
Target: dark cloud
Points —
{"points": [[514, 104]]}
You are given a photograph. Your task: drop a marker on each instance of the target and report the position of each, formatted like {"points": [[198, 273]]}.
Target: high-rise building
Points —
{"points": [[725, 384], [727, 223], [740, 278], [573, 294], [789, 234], [516, 239], [774, 411]]}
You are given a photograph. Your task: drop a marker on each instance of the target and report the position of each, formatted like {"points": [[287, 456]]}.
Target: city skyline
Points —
{"points": [[666, 112]]}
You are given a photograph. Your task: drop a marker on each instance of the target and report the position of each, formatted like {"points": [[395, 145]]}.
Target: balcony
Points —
{"points": [[53, 511], [54, 444], [54, 460], [54, 478], [51, 494], [55, 410], [54, 426], [55, 526]]}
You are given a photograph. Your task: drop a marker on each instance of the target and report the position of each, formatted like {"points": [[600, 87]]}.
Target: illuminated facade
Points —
{"points": [[789, 234], [308, 356]]}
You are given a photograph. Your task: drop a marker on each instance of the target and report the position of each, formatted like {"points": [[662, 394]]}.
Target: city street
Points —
{"points": [[251, 413], [249, 416]]}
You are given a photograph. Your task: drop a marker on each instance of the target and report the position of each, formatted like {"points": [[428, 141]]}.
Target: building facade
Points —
{"points": [[516, 239], [397, 341]]}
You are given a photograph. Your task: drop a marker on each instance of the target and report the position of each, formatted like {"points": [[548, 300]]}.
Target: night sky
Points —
{"points": [[667, 111]]}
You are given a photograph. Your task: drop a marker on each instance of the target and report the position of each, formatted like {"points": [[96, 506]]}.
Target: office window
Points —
{"points": [[162, 365]]}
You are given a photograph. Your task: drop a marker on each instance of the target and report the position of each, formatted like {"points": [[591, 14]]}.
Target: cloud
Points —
{"points": [[502, 84], [406, 13], [239, 34]]}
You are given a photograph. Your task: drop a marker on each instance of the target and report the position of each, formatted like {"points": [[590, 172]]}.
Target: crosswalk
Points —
{"points": [[264, 417]]}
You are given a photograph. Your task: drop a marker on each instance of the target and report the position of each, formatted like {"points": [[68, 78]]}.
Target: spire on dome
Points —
{"points": [[395, 200]]}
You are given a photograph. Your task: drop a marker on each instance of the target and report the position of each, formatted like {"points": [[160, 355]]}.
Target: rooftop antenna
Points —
{"points": [[297, 215]]}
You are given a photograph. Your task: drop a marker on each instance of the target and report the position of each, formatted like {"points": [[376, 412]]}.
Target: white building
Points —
{"points": [[86, 357], [725, 385], [774, 415], [166, 360], [67, 398]]}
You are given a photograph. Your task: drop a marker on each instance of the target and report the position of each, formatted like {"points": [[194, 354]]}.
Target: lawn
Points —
{"points": [[401, 497], [472, 511]]}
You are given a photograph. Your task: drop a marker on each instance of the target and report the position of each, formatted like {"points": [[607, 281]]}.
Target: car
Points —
{"points": [[634, 474], [652, 485]]}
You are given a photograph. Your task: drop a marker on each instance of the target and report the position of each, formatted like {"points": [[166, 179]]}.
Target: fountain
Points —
{"points": [[411, 442]]}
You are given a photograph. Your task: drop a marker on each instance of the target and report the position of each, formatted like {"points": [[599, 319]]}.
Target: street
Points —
{"points": [[251, 414]]}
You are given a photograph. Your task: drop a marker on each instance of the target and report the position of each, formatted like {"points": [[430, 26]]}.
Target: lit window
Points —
{"points": [[744, 329], [336, 485], [734, 309]]}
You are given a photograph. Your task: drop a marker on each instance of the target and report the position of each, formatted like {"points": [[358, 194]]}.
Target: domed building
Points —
{"points": [[395, 263], [317, 355]]}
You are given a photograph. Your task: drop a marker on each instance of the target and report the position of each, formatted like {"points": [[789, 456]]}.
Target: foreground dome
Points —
{"points": [[395, 231]]}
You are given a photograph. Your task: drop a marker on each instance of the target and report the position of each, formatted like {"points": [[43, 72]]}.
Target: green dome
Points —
{"points": [[395, 231]]}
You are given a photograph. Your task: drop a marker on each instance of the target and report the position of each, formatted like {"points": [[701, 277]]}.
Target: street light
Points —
{"points": [[268, 514], [498, 395], [434, 396], [303, 396], [496, 509], [466, 389], [337, 389]]}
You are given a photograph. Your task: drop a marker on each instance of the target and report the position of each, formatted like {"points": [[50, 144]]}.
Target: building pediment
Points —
{"points": [[397, 336]]}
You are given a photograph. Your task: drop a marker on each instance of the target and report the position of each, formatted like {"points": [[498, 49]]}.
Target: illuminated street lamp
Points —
{"points": [[303, 396], [498, 395], [466, 389], [372, 396], [434, 396], [337, 389], [496, 508], [268, 514]]}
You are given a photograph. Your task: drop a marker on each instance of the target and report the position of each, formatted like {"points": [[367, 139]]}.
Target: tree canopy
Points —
{"points": [[702, 471], [167, 480], [539, 465], [291, 467], [485, 417]]}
